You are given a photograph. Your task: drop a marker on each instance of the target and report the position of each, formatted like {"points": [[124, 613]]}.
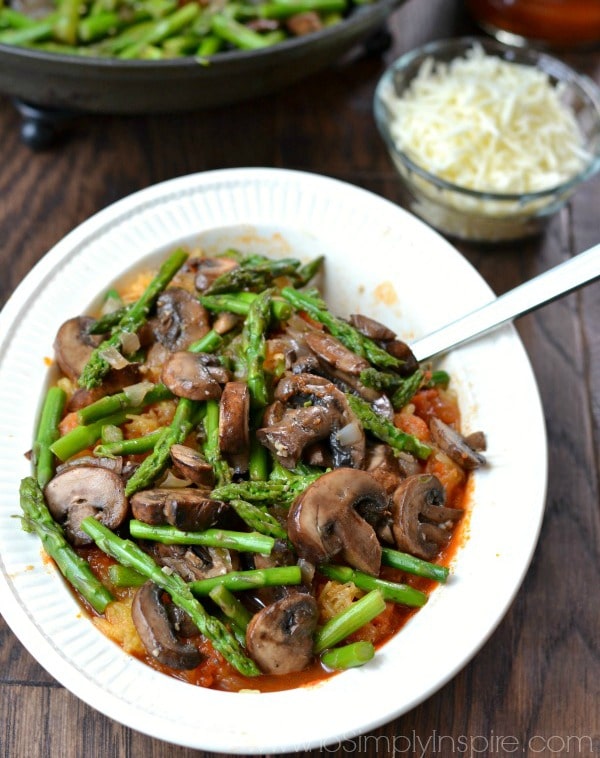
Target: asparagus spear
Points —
{"points": [[349, 620], [240, 302], [251, 542], [76, 570], [253, 341], [97, 367], [82, 437], [396, 593], [278, 576], [47, 434], [129, 554], [309, 270], [385, 430], [412, 565], [134, 446], [238, 614], [121, 401], [403, 387], [344, 332], [258, 519], [68, 15], [255, 273], [122, 576], [162, 28], [212, 452], [348, 656]]}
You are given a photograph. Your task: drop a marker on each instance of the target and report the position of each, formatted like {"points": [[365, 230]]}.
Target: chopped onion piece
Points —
{"points": [[130, 342], [110, 305], [136, 393], [113, 357], [173, 482], [349, 434]]}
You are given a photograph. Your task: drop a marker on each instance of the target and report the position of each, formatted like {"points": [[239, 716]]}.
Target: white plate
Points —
{"points": [[381, 261]]}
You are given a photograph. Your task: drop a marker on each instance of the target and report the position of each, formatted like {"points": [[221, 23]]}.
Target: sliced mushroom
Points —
{"points": [[73, 345], [280, 636], [300, 389], [191, 375], [187, 509], [180, 319], [156, 631], [383, 466], [112, 464], [114, 381], [83, 491], [388, 340], [307, 22], [324, 521], [402, 351], [192, 466], [234, 425], [297, 429], [456, 447], [420, 522], [371, 328], [210, 269], [194, 562]]}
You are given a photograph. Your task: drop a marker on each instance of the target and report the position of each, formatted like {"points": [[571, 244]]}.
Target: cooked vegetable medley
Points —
{"points": [[162, 29], [244, 489]]}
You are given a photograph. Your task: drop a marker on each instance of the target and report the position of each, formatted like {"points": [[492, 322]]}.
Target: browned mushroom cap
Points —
{"points": [[194, 562], [371, 328], [324, 521], [420, 521], [187, 509], [455, 445], [303, 23], [209, 269], [234, 425], [191, 465], [156, 632], [191, 375], [280, 636], [86, 491], [296, 429], [180, 319], [347, 438], [73, 345], [388, 340]]}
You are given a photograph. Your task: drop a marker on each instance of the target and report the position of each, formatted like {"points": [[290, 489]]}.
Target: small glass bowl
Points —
{"points": [[472, 214]]}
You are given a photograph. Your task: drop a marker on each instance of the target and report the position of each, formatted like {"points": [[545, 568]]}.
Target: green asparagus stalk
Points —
{"points": [[13, 19], [76, 570], [65, 26], [344, 332], [47, 434], [402, 387], [254, 345], [163, 28], [134, 446], [121, 401], [237, 613], [403, 594], [258, 519], [412, 565], [130, 555], [121, 576], [348, 656], [279, 576], [350, 620], [256, 492], [439, 378], [249, 542], [109, 320], [212, 453], [405, 391], [40, 30], [281, 9], [309, 270], [258, 465], [240, 302], [255, 273], [97, 367], [82, 437], [153, 466], [385, 430]]}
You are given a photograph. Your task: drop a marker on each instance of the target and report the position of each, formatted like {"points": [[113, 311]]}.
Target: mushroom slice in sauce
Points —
{"points": [[388, 340], [180, 319], [156, 631], [419, 517], [83, 491], [372, 328], [324, 521], [208, 270], [191, 465], [280, 636], [194, 562], [234, 425], [456, 447], [187, 509], [296, 429], [73, 345], [189, 375]]}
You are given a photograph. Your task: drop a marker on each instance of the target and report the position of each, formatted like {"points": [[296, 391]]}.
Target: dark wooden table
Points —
{"points": [[534, 688]]}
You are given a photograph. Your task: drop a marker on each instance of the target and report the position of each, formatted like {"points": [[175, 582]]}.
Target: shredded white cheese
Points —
{"points": [[487, 124]]}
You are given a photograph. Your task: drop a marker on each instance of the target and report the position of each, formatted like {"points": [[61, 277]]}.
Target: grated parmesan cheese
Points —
{"points": [[487, 124]]}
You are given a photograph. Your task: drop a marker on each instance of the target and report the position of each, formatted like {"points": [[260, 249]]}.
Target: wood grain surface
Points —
{"points": [[534, 688]]}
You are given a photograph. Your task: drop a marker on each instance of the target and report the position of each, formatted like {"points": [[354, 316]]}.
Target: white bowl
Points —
{"points": [[379, 260]]}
